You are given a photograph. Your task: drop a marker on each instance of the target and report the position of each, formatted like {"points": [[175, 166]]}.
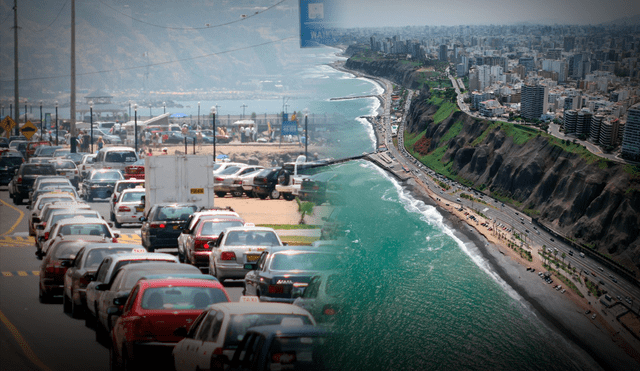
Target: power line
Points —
{"points": [[60, 12], [194, 28], [158, 63]]}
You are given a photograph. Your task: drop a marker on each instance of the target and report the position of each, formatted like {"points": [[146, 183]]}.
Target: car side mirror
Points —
{"points": [[212, 244], [66, 263], [120, 300], [102, 287], [116, 234], [143, 219], [250, 267]]}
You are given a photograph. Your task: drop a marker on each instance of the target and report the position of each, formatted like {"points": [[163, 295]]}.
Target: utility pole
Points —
{"points": [[72, 101], [16, 97]]}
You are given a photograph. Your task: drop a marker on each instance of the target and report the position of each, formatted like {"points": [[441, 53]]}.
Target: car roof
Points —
{"points": [[83, 237], [194, 282], [131, 190], [113, 245], [284, 330], [146, 256], [82, 220], [171, 268], [130, 181], [215, 212], [198, 276], [260, 307], [165, 204], [117, 148], [11, 153], [230, 229]]}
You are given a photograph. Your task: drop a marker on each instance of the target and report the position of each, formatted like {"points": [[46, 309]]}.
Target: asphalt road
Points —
{"points": [[35, 336]]}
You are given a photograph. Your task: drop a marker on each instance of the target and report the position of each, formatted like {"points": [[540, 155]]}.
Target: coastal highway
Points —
{"points": [[35, 336]]}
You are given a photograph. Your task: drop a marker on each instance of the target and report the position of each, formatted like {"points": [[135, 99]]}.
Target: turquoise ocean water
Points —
{"points": [[419, 297]]}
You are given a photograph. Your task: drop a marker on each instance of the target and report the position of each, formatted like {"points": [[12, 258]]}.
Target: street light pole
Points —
{"points": [[213, 120], [91, 121], [150, 114], [41, 123], [164, 107], [198, 113], [56, 123], [306, 133], [135, 126]]}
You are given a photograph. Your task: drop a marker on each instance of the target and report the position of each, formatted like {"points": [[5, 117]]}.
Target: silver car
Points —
{"points": [[229, 180], [237, 246]]}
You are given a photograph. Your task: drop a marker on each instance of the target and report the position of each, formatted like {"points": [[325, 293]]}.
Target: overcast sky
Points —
{"points": [[372, 13]]}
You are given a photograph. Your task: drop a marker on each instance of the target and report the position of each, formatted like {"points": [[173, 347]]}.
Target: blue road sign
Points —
{"points": [[289, 128]]}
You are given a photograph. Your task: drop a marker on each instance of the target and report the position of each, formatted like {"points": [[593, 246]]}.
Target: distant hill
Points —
{"points": [[626, 21]]}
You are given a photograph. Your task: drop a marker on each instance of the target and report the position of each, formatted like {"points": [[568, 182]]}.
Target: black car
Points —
{"points": [[162, 225], [9, 162], [264, 184], [100, 183], [320, 188], [277, 272], [22, 182], [4, 142]]}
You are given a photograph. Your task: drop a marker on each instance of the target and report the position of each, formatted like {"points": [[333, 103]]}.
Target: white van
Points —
{"points": [[115, 158]]}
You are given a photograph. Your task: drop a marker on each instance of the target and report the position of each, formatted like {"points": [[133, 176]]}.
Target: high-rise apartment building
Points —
{"points": [[569, 43], [534, 101], [442, 54], [570, 121], [583, 125], [631, 137], [594, 130]]}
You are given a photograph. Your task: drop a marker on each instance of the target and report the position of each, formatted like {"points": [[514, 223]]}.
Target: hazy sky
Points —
{"points": [[372, 13]]}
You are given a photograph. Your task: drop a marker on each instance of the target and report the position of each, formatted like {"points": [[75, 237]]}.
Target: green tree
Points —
{"points": [[564, 255], [253, 115], [304, 208]]}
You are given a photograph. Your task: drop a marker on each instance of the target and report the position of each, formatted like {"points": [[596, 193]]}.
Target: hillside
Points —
{"points": [[590, 200]]}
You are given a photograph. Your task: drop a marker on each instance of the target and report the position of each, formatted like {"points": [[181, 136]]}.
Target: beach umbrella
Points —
{"points": [[179, 115], [222, 157]]}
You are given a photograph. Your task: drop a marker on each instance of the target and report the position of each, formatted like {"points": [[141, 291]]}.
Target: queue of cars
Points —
{"points": [[147, 306]]}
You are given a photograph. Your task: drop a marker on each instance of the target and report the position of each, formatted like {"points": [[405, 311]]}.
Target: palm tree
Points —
{"points": [[304, 208], [563, 256]]}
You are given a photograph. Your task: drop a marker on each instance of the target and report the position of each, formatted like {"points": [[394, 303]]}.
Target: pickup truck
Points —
{"points": [[292, 173]]}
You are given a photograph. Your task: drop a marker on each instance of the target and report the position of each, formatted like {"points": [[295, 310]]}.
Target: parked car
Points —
{"points": [[52, 269], [175, 303], [82, 269], [162, 225], [129, 207], [197, 250], [105, 272], [265, 348], [22, 182], [238, 246], [216, 333], [246, 181], [227, 180], [276, 274], [116, 291], [321, 188], [264, 184], [100, 184]]}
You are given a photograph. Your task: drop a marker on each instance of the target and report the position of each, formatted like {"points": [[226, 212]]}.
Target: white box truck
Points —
{"points": [[178, 179]]}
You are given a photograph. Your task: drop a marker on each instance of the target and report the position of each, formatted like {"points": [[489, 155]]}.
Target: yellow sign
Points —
{"points": [[197, 191], [7, 124], [28, 129]]}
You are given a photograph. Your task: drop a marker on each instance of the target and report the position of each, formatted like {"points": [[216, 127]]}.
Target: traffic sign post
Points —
{"points": [[28, 129], [8, 124]]}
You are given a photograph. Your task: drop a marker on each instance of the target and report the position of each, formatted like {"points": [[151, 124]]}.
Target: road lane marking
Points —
{"points": [[23, 343], [20, 273], [7, 274], [17, 221]]}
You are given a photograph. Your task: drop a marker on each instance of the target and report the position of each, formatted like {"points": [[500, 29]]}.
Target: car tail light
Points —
{"points": [[55, 268], [276, 289], [46, 236], [228, 255], [201, 244], [237, 181], [124, 208], [142, 329], [19, 179], [218, 179], [284, 358], [217, 352], [157, 225], [114, 240], [328, 310]]}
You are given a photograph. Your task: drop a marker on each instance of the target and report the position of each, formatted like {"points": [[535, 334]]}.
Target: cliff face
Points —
{"points": [[396, 71], [593, 201]]}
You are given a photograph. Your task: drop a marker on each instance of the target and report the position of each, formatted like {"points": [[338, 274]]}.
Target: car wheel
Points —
{"points": [[236, 193], [262, 197], [288, 196], [66, 304], [221, 194], [112, 217], [274, 195], [89, 319], [42, 296], [117, 225], [102, 336], [17, 200], [180, 256], [250, 194]]}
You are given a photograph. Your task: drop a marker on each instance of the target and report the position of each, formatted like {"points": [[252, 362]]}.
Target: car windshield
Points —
{"points": [[47, 200], [85, 229], [214, 228], [64, 165], [304, 261], [58, 217], [230, 170], [175, 212], [95, 256], [240, 323], [181, 298], [47, 151], [120, 156], [10, 161], [122, 186], [107, 175], [38, 170], [66, 250], [132, 196], [254, 238]]}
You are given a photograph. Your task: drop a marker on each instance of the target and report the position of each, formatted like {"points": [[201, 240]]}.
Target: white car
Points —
{"points": [[129, 207], [56, 216], [80, 226], [247, 182], [215, 334], [68, 169], [228, 180], [118, 188], [40, 221], [219, 166], [86, 165], [187, 232]]}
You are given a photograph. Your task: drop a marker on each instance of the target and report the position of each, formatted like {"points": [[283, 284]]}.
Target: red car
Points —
{"points": [[135, 170], [197, 250], [156, 316], [53, 267]]}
